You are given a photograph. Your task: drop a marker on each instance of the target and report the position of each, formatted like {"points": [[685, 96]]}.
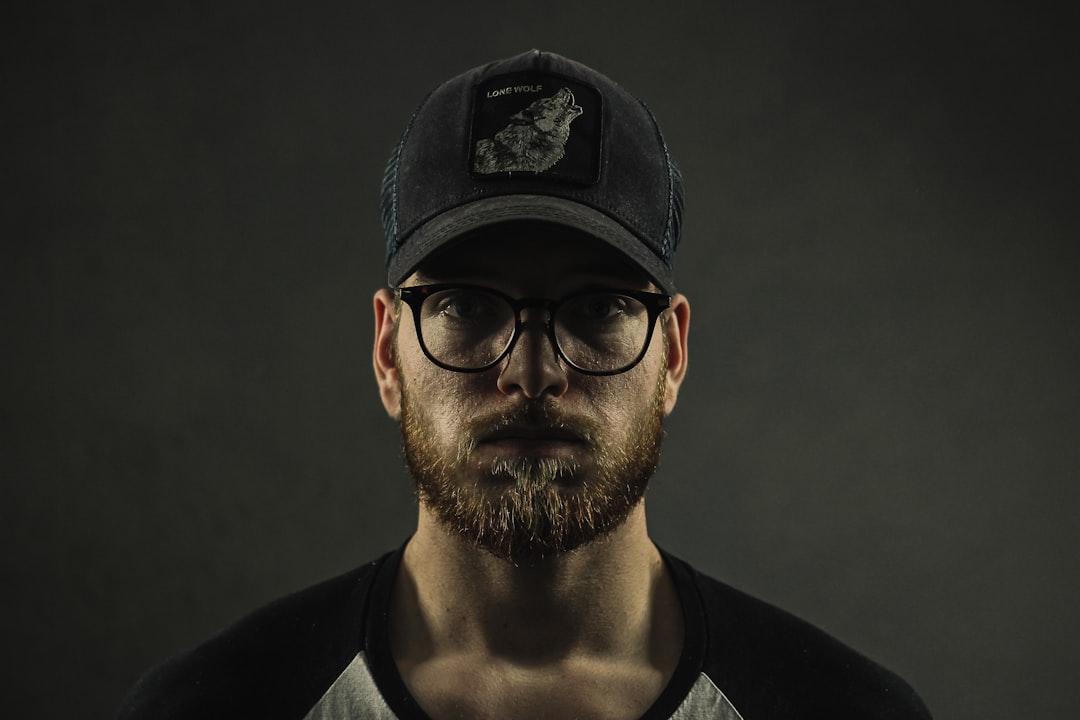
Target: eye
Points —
{"points": [[597, 306], [463, 305]]}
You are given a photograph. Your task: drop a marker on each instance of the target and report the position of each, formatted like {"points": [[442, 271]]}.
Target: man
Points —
{"points": [[530, 345]]}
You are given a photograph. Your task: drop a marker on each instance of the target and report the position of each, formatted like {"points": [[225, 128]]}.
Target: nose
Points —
{"points": [[532, 367]]}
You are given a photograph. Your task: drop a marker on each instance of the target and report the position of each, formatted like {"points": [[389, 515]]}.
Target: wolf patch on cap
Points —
{"points": [[534, 140], [536, 123]]}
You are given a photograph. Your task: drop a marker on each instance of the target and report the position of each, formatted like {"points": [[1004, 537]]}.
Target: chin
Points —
{"points": [[536, 470]]}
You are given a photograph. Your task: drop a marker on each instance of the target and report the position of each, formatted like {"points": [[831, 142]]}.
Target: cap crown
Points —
{"points": [[536, 126]]}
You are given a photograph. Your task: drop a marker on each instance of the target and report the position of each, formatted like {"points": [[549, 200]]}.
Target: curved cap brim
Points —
{"points": [[454, 223]]}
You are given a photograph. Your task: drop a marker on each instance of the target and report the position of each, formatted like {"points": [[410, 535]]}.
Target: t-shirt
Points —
{"points": [[323, 653]]}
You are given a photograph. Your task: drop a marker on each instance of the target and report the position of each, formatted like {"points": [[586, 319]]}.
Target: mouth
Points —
{"points": [[532, 432], [534, 440], [570, 102]]}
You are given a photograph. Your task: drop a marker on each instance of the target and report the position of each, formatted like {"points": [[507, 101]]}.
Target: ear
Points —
{"points": [[677, 328], [386, 374]]}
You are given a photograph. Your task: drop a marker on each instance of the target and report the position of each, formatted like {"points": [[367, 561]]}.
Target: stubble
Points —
{"points": [[522, 508]]}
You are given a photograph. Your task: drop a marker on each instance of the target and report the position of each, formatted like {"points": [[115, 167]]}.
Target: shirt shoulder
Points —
{"points": [[772, 664], [275, 662]]}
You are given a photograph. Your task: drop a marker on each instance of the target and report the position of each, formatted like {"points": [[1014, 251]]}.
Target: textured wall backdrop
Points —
{"points": [[879, 430]]}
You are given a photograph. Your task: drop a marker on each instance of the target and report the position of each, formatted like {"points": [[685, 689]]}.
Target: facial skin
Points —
{"points": [[529, 459]]}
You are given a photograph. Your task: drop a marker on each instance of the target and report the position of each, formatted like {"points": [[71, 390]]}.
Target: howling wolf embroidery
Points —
{"points": [[534, 140]]}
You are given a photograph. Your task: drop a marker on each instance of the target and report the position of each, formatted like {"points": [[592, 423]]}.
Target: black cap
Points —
{"points": [[532, 137]]}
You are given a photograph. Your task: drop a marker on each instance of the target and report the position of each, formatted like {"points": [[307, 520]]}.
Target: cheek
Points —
{"points": [[445, 399], [439, 394], [617, 401]]}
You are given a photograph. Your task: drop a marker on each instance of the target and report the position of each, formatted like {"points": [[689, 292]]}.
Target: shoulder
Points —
{"points": [[772, 664], [273, 663]]}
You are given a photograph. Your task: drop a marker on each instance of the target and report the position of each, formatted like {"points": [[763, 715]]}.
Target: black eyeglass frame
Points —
{"points": [[414, 296]]}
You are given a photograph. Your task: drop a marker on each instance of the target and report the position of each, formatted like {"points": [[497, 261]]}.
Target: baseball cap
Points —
{"points": [[532, 137]]}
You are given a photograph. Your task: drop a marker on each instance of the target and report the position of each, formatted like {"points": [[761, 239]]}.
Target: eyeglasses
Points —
{"points": [[467, 328]]}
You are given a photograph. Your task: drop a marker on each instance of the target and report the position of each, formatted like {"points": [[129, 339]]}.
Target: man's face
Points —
{"points": [[530, 459]]}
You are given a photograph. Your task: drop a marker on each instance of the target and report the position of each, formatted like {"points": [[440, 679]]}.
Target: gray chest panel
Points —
{"points": [[355, 695]]}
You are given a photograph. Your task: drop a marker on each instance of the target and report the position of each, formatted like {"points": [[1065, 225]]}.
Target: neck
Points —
{"points": [[612, 597]]}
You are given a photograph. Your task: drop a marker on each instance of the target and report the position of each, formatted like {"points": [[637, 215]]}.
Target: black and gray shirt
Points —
{"points": [[323, 653]]}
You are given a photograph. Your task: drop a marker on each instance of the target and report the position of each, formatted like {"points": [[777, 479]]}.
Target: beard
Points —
{"points": [[525, 509]]}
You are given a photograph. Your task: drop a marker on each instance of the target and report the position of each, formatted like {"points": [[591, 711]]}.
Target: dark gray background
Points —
{"points": [[879, 427]]}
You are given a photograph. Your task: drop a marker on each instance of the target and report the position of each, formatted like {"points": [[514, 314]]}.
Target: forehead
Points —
{"points": [[534, 257]]}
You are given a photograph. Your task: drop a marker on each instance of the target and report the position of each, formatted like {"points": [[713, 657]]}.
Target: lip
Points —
{"points": [[532, 440], [530, 447], [532, 434]]}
